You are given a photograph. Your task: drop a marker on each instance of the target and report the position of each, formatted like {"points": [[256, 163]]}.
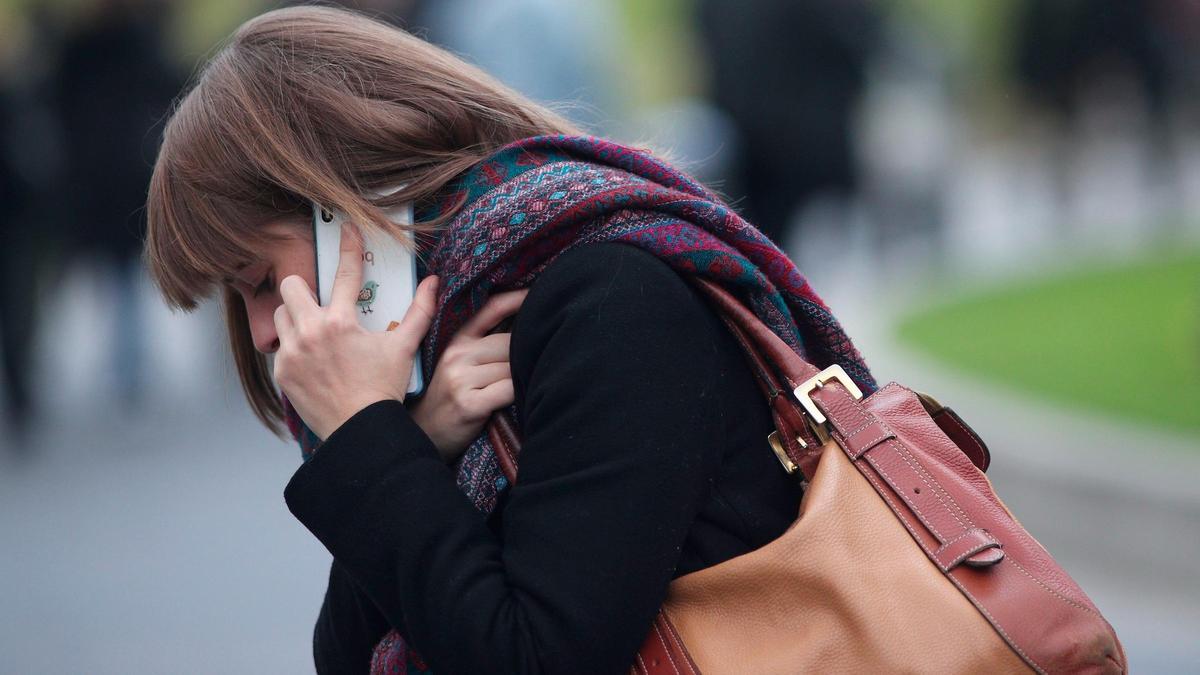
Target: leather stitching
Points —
{"points": [[916, 511], [938, 490], [978, 605], [852, 405], [919, 470], [666, 649], [996, 625], [885, 433], [675, 639], [882, 492], [864, 426], [865, 417], [1053, 592], [965, 534]]}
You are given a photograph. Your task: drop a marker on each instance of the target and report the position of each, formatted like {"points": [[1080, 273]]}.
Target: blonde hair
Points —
{"points": [[311, 103]]}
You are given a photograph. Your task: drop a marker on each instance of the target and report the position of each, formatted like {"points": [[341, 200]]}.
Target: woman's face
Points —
{"points": [[258, 282]]}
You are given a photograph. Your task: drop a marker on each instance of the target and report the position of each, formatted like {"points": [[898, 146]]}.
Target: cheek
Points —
{"points": [[260, 314]]}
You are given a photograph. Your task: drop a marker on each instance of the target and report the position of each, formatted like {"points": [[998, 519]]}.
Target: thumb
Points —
{"points": [[419, 317]]}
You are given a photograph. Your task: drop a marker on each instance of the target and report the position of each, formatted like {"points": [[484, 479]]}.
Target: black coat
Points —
{"points": [[644, 458]]}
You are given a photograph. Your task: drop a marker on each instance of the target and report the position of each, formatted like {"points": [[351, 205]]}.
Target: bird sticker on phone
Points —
{"points": [[366, 296], [389, 272]]}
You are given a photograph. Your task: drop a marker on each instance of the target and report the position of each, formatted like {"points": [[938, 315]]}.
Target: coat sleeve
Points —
{"points": [[613, 357], [348, 627]]}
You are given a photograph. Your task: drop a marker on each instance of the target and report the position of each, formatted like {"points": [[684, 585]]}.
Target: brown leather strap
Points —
{"points": [[663, 653], [771, 348], [767, 354], [865, 438], [799, 443], [505, 442]]}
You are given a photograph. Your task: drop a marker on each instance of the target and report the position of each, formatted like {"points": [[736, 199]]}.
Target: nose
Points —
{"points": [[261, 317]]}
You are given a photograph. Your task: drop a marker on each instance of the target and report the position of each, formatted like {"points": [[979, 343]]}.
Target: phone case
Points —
{"points": [[389, 273]]}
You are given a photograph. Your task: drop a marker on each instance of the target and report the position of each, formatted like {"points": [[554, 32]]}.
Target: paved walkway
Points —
{"points": [[155, 543]]}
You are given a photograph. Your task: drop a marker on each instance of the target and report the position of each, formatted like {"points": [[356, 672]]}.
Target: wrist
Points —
{"points": [[353, 408], [427, 425]]}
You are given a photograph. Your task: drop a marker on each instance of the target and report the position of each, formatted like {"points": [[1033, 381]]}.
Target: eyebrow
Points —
{"points": [[230, 280]]}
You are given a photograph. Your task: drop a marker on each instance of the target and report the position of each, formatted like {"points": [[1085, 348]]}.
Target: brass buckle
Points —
{"points": [[781, 452], [816, 418]]}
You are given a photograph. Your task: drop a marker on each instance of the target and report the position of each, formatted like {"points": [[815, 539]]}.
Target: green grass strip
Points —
{"points": [[1124, 339]]}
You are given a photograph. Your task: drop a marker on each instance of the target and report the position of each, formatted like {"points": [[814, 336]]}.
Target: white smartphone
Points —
{"points": [[389, 272]]}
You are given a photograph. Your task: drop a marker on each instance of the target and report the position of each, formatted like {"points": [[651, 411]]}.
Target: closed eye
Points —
{"points": [[265, 286]]}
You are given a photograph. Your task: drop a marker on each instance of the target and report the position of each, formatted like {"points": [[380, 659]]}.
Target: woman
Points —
{"points": [[643, 431]]}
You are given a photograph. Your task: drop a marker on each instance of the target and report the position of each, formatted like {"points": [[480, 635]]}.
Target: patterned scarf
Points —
{"points": [[536, 198]]}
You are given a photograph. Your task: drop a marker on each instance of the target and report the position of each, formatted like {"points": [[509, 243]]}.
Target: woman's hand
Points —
{"points": [[472, 379], [329, 366]]}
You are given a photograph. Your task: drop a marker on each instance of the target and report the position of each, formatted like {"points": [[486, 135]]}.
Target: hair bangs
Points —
{"points": [[322, 104], [207, 204]]}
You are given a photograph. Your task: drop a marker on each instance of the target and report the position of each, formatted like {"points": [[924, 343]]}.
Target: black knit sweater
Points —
{"points": [[644, 458]]}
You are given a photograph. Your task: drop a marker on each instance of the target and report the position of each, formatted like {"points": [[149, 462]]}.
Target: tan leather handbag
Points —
{"points": [[902, 559]]}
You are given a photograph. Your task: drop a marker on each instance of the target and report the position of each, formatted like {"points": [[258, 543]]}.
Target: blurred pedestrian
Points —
{"points": [[30, 240], [1106, 70], [1065, 47], [789, 73], [111, 89], [18, 272]]}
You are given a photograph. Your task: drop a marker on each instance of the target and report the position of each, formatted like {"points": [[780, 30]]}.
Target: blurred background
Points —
{"points": [[1000, 201]]}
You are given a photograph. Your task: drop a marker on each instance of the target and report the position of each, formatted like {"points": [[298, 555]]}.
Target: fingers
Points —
{"points": [[496, 395], [416, 320], [496, 309], [489, 349], [480, 377], [297, 297], [347, 282], [284, 326]]}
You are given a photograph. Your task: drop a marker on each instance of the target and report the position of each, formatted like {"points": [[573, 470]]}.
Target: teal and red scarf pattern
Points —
{"points": [[536, 198]]}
